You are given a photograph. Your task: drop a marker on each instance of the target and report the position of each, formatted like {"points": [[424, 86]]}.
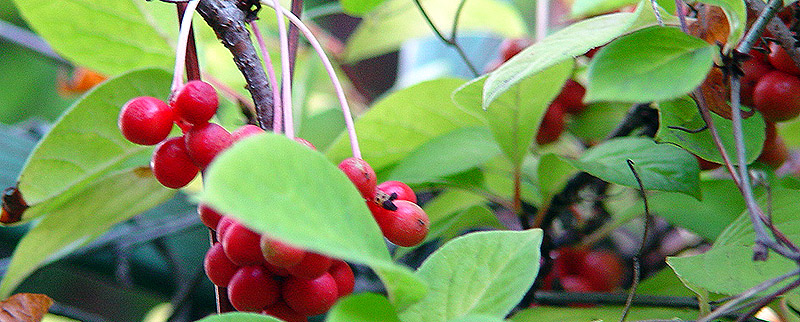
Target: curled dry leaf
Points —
{"points": [[712, 26], [25, 307]]}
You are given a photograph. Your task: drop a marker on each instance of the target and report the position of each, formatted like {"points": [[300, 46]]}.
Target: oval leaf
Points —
{"points": [[479, 273], [85, 144], [661, 167], [653, 64], [364, 307], [605, 313], [279, 187], [359, 7], [109, 36]]}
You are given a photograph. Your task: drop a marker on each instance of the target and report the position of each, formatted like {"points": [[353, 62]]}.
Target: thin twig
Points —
{"points": [[657, 12], [648, 218], [680, 10], [294, 35], [450, 41], [728, 306], [192, 65], [779, 31]]}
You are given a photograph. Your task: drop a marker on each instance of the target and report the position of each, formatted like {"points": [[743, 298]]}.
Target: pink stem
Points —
{"points": [[183, 40], [273, 81], [286, 82], [348, 118], [542, 19]]}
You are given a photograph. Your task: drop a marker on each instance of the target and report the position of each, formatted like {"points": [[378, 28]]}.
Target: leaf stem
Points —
{"points": [[273, 81], [286, 79], [180, 51], [451, 41], [542, 19]]}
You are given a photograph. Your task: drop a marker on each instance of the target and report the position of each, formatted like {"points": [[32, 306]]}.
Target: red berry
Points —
{"points": [[571, 97], [145, 120], [275, 270], [361, 174], [172, 165], [242, 245], [575, 283], [245, 131], [753, 71], [774, 152], [403, 191], [407, 226], [603, 270], [310, 296], [279, 253], [218, 267], [205, 141], [222, 227], [343, 275], [552, 124], [513, 46], [380, 214], [312, 266], [779, 58], [196, 102], [306, 143], [252, 289], [284, 312], [568, 261], [208, 216], [777, 96]]}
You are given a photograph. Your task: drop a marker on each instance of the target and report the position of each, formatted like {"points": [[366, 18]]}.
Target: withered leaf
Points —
{"points": [[25, 307]]}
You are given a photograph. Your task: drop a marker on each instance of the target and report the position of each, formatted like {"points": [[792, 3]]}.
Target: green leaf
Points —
{"points": [[477, 318], [109, 36], [552, 173], [447, 228], [661, 167], [736, 12], [653, 64], [239, 317], [359, 7], [683, 113], [364, 307], [447, 154], [584, 8], [293, 193], [398, 124], [479, 273], [606, 313], [85, 144], [515, 114], [90, 212], [394, 22]]}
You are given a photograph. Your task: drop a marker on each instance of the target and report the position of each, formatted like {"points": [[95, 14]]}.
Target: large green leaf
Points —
{"points": [[281, 188], [552, 173], [479, 273], [583, 8], [359, 7], [89, 213], [515, 114], [394, 22], [607, 313], [364, 307], [239, 317], [110, 36], [653, 64], [662, 167], [85, 143], [683, 113], [404, 120], [447, 154]]}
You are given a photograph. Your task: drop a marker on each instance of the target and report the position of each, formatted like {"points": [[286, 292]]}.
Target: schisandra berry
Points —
{"points": [[208, 216], [284, 312], [218, 267], [312, 266], [145, 120], [361, 174], [310, 296], [172, 165], [407, 226], [242, 245], [245, 131], [403, 191], [252, 289], [279, 253], [571, 97], [196, 102], [344, 277], [222, 227], [777, 96], [205, 141], [552, 124]]}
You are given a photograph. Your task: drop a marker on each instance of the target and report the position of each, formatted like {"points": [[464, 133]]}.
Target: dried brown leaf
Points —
{"points": [[25, 307]]}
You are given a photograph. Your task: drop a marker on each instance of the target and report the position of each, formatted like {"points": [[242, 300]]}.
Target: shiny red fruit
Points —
{"points": [[145, 120], [222, 227], [407, 226], [552, 125], [571, 97], [774, 153], [777, 96], [284, 312], [245, 131], [603, 270], [403, 191], [279, 253], [208, 216], [312, 266], [204, 142], [196, 102], [779, 58], [753, 71], [310, 296], [252, 289], [361, 174], [172, 165], [242, 245], [343, 274], [218, 267]]}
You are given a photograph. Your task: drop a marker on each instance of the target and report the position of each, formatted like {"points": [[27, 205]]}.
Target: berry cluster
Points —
{"points": [[580, 270], [771, 84], [393, 204], [265, 275]]}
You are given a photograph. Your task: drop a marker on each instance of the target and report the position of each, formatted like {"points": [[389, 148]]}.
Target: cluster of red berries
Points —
{"points": [[582, 271], [265, 275], [393, 204], [771, 84]]}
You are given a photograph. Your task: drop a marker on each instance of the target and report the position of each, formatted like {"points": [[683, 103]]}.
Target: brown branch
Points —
{"points": [[228, 22]]}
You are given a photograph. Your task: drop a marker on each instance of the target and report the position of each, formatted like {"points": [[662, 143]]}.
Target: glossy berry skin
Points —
{"points": [[242, 245], [777, 96], [575, 284], [753, 70], [218, 267], [361, 174], [208, 216], [196, 102], [284, 312], [774, 153], [344, 277], [779, 58], [552, 124], [145, 120], [403, 191], [310, 296], [312, 266], [279, 253], [571, 97], [222, 227], [379, 213], [603, 270], [407, 226], [172, 165], [204, 142], [245, 131], [252, 289]]}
